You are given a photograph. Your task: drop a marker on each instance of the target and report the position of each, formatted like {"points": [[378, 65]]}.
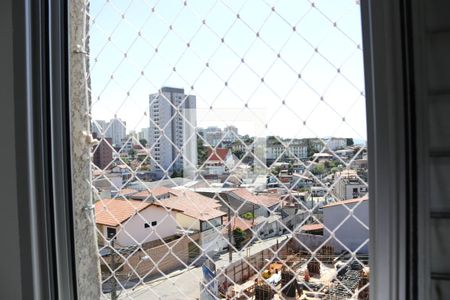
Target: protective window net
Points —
{"points": [[230, 159]]}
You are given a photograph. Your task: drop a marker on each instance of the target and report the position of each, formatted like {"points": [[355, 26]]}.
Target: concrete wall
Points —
{"points": [[351, 233], [241, 270]]}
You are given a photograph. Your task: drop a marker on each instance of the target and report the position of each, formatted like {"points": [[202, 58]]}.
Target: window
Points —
{"points": [[154, 223], [146, 225], [110, 232], [104, 16]]}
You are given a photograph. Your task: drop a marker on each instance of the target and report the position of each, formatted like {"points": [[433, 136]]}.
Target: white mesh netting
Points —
{"points": [[231, 161]]}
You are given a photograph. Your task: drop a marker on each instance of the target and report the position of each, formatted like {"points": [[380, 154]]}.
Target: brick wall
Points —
{"points": [[152, 262]]}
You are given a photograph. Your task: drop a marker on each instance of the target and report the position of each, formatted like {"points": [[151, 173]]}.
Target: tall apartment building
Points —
{"points": [[172, 126], [98, 128], [103, 154], [213, 135], [230, 134], [143, 134], [117, 131]]}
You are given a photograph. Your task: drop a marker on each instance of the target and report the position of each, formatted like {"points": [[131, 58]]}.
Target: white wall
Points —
{"points": [[213, 240], [215, 170], [352, 233], [133, 230]]}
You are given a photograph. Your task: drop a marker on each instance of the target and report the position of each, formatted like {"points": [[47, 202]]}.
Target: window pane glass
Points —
{"points": [[231, 158]]}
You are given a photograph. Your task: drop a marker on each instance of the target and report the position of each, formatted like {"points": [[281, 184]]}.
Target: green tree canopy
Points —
{"points": [[143, 142]]}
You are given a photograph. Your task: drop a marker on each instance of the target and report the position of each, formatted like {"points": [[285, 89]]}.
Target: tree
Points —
{"points": [[350, 142], [238, 153], [239, 237], [177, 174], [132, 153], [143, 142], [248, 216], [318, 169], [202, 152], [275, 170], [310, 148], [290, 168]]}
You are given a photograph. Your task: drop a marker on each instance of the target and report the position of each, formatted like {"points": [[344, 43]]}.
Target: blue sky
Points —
{"points": [[125, 68]]}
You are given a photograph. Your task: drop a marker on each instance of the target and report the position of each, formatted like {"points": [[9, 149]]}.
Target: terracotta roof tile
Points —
{"points": [[219, 154], [192, 204], [312, 227], [113, 212], [261, 199]]}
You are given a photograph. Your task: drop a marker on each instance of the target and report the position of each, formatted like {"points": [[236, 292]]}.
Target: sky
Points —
{"points": [[265, 77]]}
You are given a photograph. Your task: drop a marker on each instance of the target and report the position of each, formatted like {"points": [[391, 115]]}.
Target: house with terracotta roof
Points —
{"points": [[131, 222], [195, 212], [219, 161], [243, 201], [199, 216]]}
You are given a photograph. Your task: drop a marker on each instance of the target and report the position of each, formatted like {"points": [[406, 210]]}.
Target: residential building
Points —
{"points": [[334, 143], [117, 131], [127, 146], [158, 193], [106, 182], [98, 127], [219, 161], [144, 134], [103, 152], [349, 185], [172, 123], [131, 222], [213, 135], [350, 231], [198, 215], [122, 170], [322, 157], [230, 134], [243, 201], [285, 149]]}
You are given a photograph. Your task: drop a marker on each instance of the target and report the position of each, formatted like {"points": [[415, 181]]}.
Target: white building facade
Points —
{"points": [[230, 134], [172, 124], [213, 135], [293, 151], [117, 131]]}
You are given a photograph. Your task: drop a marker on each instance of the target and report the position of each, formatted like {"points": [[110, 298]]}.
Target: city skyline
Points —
{"points": [[312, 75]]}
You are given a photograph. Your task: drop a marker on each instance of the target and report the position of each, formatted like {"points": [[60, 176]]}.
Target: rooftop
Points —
{"points": [[219, 154], [150, 193], [237, 222], [192, 204], [112, 212], [312, 227], [349, 201], [266, 200]]}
